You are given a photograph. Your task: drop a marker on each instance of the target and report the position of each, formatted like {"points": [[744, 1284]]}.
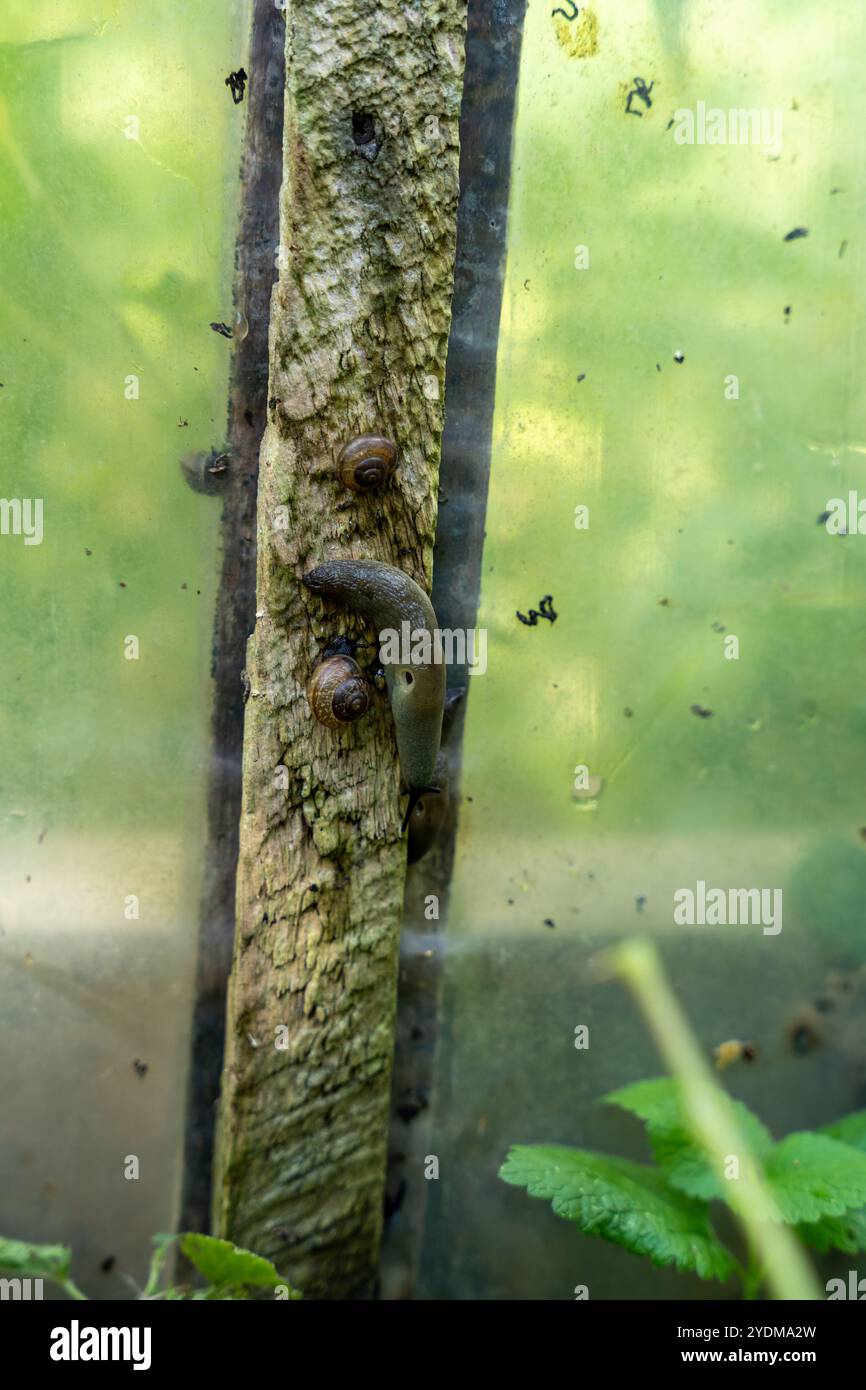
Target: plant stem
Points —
{"points": [[774, 1250], [73, 1290]]}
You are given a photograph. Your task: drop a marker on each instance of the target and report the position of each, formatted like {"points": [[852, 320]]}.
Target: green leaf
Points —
{"points": [[627, 1203], [226, 1265], [851, 1129], [658, 1103], [846, 1233], [812, 1175], [35, 1261]]}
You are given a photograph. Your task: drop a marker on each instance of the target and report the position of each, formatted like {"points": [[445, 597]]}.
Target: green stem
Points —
{"points": [[73, 1290], [775, 1254]]}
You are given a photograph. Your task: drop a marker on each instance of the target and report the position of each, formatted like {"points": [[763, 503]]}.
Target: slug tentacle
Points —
{"points": [[388, 598]]}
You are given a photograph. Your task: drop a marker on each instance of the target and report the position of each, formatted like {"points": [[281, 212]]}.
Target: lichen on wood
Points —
{"points": [[359, 329]]}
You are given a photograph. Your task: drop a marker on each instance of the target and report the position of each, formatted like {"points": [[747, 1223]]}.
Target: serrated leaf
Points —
{"points": [[224, 1264], [658, 1103], [846, 1233], [851, 1129], [627, 1203], [811, 1176], [34, 1261]]}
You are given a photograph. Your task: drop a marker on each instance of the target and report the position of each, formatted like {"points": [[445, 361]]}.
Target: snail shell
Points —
{"points": [[365, 464], [338, 692], [206, 472]]}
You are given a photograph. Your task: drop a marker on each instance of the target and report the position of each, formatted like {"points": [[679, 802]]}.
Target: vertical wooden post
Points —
{"points": [[359, 330]]}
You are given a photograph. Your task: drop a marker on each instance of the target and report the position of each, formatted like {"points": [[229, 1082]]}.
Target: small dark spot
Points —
{"points": [[796, 234], [750, 1051], [273, 403], [549, 922], [184, 585], [823, 518], [526, 284], [701, 712], [824, 1004], [410, 1109], [141, 1068], [87, 552], [363, 128], [510, 902], [863, 832], [842, 249], [248, 416], [640, 901], [679, 355], [393, 1204], [222, 328], [314, 887], [121, 583], [416, 1033], [787, 311], [183, 424], [664, 603], [658, 366], [236, 83], [718, 627], [582, 376], [107, 1265], [628, 712], [803, 1036]]}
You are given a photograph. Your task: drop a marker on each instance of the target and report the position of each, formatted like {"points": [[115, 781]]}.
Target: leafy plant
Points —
{"points": [[230, 1273], [815, 1181]]}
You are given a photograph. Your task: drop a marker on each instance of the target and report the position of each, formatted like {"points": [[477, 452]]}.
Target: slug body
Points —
{"points": [[388, 598]]}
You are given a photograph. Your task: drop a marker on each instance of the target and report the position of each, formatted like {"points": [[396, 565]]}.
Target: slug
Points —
{"points": [[388, 598]]}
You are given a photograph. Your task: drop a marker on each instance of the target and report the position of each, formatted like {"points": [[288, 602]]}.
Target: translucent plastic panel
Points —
{"points": [[119, 152], [682, 355]]}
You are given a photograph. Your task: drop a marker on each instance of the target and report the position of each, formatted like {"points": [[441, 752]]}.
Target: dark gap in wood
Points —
{"points": [[255, 273], [493, 44]]}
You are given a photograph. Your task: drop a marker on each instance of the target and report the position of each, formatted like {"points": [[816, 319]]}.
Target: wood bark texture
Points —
{"points": [[359, 329]]}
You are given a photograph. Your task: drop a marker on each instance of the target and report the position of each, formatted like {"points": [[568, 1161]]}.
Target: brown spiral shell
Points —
{"points": [[338, 692], [365, 464]]}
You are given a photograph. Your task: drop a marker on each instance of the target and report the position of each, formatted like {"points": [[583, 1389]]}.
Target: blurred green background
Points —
{"points": [[703, 524], [119, 157]]}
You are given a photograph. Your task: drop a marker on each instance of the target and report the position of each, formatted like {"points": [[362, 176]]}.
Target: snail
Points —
{"points": [[416, 690], [338, 692], [431, 813], [206, 472], [427, 818], [365, 464]]}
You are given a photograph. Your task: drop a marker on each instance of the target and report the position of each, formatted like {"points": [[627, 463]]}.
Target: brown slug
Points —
{"points": [[388, 598]]}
